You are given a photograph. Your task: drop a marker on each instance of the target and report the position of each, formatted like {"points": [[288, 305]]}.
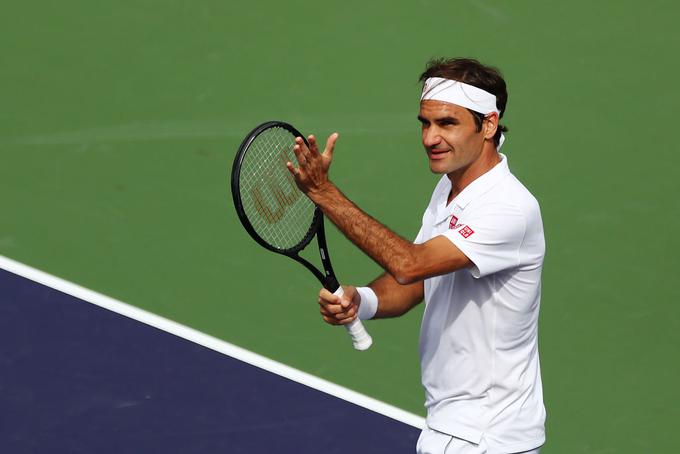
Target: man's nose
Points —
{"points": [[431, 137]]}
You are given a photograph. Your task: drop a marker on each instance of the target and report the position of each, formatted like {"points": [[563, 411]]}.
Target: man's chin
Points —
{"points": [[437, 168]]}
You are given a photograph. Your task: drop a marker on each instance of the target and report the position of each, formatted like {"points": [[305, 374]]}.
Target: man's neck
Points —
{"points": [[461, 178]]}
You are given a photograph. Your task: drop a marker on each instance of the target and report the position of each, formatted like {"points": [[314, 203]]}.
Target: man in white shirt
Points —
{"points": [[476, 262]]}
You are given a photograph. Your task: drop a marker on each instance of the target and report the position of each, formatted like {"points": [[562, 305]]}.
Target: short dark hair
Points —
{"points": [[472, 72]]}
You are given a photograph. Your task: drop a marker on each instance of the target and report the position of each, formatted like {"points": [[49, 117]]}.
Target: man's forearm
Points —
{"points": [[392, 252], [395, 299]]}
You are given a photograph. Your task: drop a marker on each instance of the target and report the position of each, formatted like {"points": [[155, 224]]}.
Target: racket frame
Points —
{"points": [[328, 280]]}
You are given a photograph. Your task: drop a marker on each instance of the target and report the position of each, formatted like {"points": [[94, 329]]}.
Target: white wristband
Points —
{"points": [[369, 303]]}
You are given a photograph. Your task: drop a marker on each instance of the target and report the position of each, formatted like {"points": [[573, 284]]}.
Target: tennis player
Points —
{"points": [[476, 262]]}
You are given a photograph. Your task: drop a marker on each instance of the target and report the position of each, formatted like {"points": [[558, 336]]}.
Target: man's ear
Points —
{"points": [[490, 125]]}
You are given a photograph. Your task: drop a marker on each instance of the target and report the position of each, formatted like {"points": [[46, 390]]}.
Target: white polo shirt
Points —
{"points": [[479, 336]]}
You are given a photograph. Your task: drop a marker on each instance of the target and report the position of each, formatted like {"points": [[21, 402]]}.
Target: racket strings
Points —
{"points": [[280, 214]]}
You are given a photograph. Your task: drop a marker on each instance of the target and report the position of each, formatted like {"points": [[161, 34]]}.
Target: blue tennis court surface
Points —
{"points": [[77, 378]]}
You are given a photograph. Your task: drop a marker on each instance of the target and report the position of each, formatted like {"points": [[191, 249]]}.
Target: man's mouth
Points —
{"points": [[437, 154]]}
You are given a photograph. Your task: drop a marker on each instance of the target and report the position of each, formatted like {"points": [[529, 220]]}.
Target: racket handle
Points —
{"points": [[360, 337]]}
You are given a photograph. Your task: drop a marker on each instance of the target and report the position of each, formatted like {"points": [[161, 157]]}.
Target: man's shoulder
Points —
{"points": [[512, 193]]}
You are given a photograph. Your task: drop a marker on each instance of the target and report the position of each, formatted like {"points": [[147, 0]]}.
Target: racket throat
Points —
{"points": [[330, 281]]}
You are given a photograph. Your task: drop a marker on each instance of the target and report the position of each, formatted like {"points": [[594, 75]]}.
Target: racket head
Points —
{"points": [[269, 205]]}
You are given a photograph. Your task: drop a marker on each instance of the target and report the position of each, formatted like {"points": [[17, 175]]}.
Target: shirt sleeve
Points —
{"points": [[490, 237]]}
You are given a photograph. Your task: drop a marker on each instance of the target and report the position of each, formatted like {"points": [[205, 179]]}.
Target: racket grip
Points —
{"points": [[360, 337]]}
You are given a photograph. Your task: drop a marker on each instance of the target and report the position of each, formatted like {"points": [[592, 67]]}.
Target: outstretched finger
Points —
{"points": [[292, 169], [299, 153], [302, 150], [313, 146], [330, 144]]}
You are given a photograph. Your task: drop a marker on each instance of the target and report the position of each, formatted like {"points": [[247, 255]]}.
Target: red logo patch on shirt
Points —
{"points": [[454, 222], [466, 231]]}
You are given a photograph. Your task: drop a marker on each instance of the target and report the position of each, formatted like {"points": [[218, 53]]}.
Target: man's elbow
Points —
{"points": [[406, 275], [409, 269], [415, 271], [406, 280]]}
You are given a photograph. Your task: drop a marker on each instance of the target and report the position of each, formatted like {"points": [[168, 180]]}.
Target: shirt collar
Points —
{"points": [[474, 190], [483, 183]]}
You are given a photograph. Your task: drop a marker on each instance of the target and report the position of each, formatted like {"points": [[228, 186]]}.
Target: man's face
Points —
{"points": [[450, 136]]}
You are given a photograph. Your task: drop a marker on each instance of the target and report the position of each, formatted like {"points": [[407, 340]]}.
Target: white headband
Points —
{"points": [[462, 94], [455, 92]]}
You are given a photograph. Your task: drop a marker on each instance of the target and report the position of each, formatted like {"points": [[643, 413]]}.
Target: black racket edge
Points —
{"points": [[317, 221]]}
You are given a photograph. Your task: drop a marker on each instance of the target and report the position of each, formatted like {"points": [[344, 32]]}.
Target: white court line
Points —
{"points": [[210, 342]]}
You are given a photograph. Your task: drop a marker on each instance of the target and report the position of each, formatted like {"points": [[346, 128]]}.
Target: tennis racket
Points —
{"points": [[275, 212]]}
